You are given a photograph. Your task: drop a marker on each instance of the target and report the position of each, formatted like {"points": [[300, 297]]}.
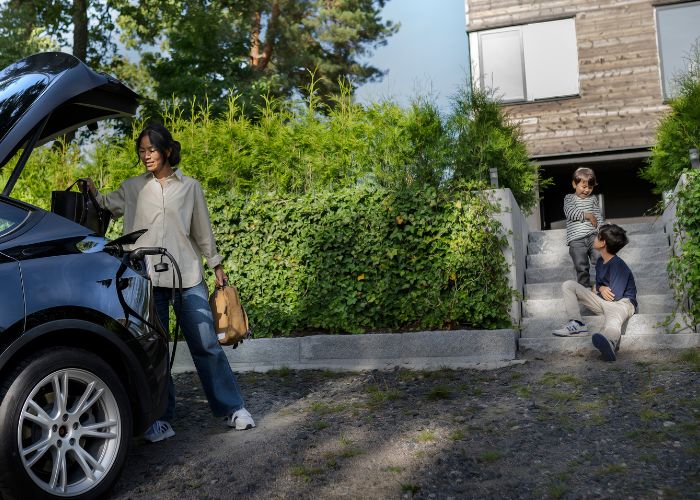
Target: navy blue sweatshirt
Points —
{"points": [[618, 276]]}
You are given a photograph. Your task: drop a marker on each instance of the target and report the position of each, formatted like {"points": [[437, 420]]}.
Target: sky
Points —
{"points": [[427, 57]]}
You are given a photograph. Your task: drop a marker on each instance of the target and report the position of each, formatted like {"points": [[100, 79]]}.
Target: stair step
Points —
{"points": [[645, 285], [639, 324], [633, 255], [648, 304], [629, 343], [635, 228], [563, 273], [555, 243]]}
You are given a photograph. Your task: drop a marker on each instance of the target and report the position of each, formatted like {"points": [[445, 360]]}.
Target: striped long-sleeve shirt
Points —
{"points": [[576, 226]]}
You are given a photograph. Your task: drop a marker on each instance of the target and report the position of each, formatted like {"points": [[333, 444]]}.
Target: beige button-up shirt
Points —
{"points": [[176, 216]]}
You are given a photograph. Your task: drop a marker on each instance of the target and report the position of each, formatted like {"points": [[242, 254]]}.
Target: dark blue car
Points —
{"points": [[83, 361]]}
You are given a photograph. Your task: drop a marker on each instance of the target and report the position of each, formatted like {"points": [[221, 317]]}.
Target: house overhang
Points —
{"points": [[591, 157]]}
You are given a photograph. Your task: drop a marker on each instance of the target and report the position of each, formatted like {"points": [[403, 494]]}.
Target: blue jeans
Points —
{"points": [[197, 323]]}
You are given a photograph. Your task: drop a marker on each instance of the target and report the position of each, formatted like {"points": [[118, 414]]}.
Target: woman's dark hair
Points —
{"points": [[614, 236], [162, 140], [585, 174]]}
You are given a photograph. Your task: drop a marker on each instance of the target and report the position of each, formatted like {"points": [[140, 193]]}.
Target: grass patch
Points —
{"points": [[351, 452], [606, 470], [489, 457], [552, 379], [646, 436], [439, 392], [304, 472], [323, 408], [557, 490], [589, 405], [470, 390], [647, 414], [330, 374], [410, 488], [523, 391], [393, 468], [652, 392], [426, 436], [692, 358], [457, 435], [562, 396], [345, 441], [283, 371], [378, 397], [320, 425]]}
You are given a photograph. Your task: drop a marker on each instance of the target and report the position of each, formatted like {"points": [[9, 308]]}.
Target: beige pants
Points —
{"points": [[616, 313]]}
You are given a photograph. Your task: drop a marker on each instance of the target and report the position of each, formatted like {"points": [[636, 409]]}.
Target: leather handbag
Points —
{"points": [[230, 319], [81, 207]]}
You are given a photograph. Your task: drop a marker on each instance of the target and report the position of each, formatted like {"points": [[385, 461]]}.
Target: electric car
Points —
{"points": [[83, 361]]}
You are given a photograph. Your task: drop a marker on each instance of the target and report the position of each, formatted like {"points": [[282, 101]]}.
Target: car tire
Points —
{"points": [[65, 426]]}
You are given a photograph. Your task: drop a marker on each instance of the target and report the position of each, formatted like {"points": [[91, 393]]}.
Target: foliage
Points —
{"points": [[483, 138], [255, 47], [678, 131], [299, 147], [364, 258], [39, 25], [19, 34], [684, 269], [210, 48]]}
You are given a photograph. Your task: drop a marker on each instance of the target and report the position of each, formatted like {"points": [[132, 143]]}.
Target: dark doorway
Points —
{"points": [[625, 194]]}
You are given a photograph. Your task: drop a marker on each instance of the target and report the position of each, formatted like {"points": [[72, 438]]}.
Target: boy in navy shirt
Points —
{"points": [[613, 296]]}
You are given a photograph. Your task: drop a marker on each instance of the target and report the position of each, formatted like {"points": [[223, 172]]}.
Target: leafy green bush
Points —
{"points": [[364, 258], [684, 269], [483, 138], [678, 132]]}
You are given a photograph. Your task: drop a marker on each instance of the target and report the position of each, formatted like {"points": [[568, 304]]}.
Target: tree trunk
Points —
{"points": [[259, 60], [80, 29]]}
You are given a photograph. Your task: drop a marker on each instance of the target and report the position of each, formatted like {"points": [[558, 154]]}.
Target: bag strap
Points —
{"points": [[71, 186]]}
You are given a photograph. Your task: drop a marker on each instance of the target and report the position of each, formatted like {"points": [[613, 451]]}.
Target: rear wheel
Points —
{"points": [[65, 425]]}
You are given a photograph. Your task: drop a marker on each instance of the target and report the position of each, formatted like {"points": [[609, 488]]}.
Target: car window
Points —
{"points": [[10, 217], [16, 96]]}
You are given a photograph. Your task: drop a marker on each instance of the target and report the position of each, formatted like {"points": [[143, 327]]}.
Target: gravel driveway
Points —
{"points": [[564, 427]]}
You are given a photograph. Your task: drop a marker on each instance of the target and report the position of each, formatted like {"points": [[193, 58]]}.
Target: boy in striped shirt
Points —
{"points": [[583, 217]]}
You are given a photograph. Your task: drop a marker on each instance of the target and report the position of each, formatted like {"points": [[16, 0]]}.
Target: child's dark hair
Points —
{"points": [[162, 140], [614, 236], [584, 174]]}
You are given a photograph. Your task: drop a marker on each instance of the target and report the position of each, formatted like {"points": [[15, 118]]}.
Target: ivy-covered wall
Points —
{"points": [[684, 269], [365, 258]]}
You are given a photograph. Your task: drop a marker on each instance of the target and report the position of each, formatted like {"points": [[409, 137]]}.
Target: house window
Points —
{"points": [[528, 62], [677, 30]]}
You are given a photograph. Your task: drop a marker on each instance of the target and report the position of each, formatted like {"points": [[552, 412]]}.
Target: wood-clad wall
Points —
{"points": [[620, 101]]}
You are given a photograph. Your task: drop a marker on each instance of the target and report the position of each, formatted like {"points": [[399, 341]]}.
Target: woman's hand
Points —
{"points": [[221, 277]]}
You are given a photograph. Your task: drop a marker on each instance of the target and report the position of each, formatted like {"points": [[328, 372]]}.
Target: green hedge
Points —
{"points": [[364, 258], [685, 268]]}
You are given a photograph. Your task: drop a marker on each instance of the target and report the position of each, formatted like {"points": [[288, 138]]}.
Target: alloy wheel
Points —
{"points": [[69, 432]]}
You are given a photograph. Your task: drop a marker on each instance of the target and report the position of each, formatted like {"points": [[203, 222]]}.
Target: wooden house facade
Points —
{"points": [[588, 82]]}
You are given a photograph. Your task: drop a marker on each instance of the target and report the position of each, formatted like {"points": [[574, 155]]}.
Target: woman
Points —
{"points": [[173, 209]]}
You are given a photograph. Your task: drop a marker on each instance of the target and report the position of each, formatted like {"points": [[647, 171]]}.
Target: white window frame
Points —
{"points": [[530, 42]]}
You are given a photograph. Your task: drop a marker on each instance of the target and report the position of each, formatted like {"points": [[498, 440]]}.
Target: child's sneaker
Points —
{"points": [[605, 346], [572, 329], [158, 431], [241, 420]]}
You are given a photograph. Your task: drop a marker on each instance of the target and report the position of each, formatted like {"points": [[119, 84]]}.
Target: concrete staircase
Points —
{"points": [[549, 265]]}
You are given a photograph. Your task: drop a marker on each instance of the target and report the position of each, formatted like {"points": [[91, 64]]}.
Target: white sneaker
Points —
{"points": [[158, 431], [241, 420], [573, 328]]}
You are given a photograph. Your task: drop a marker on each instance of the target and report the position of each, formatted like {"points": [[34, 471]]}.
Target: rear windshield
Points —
{"points": [[16, 96]]}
